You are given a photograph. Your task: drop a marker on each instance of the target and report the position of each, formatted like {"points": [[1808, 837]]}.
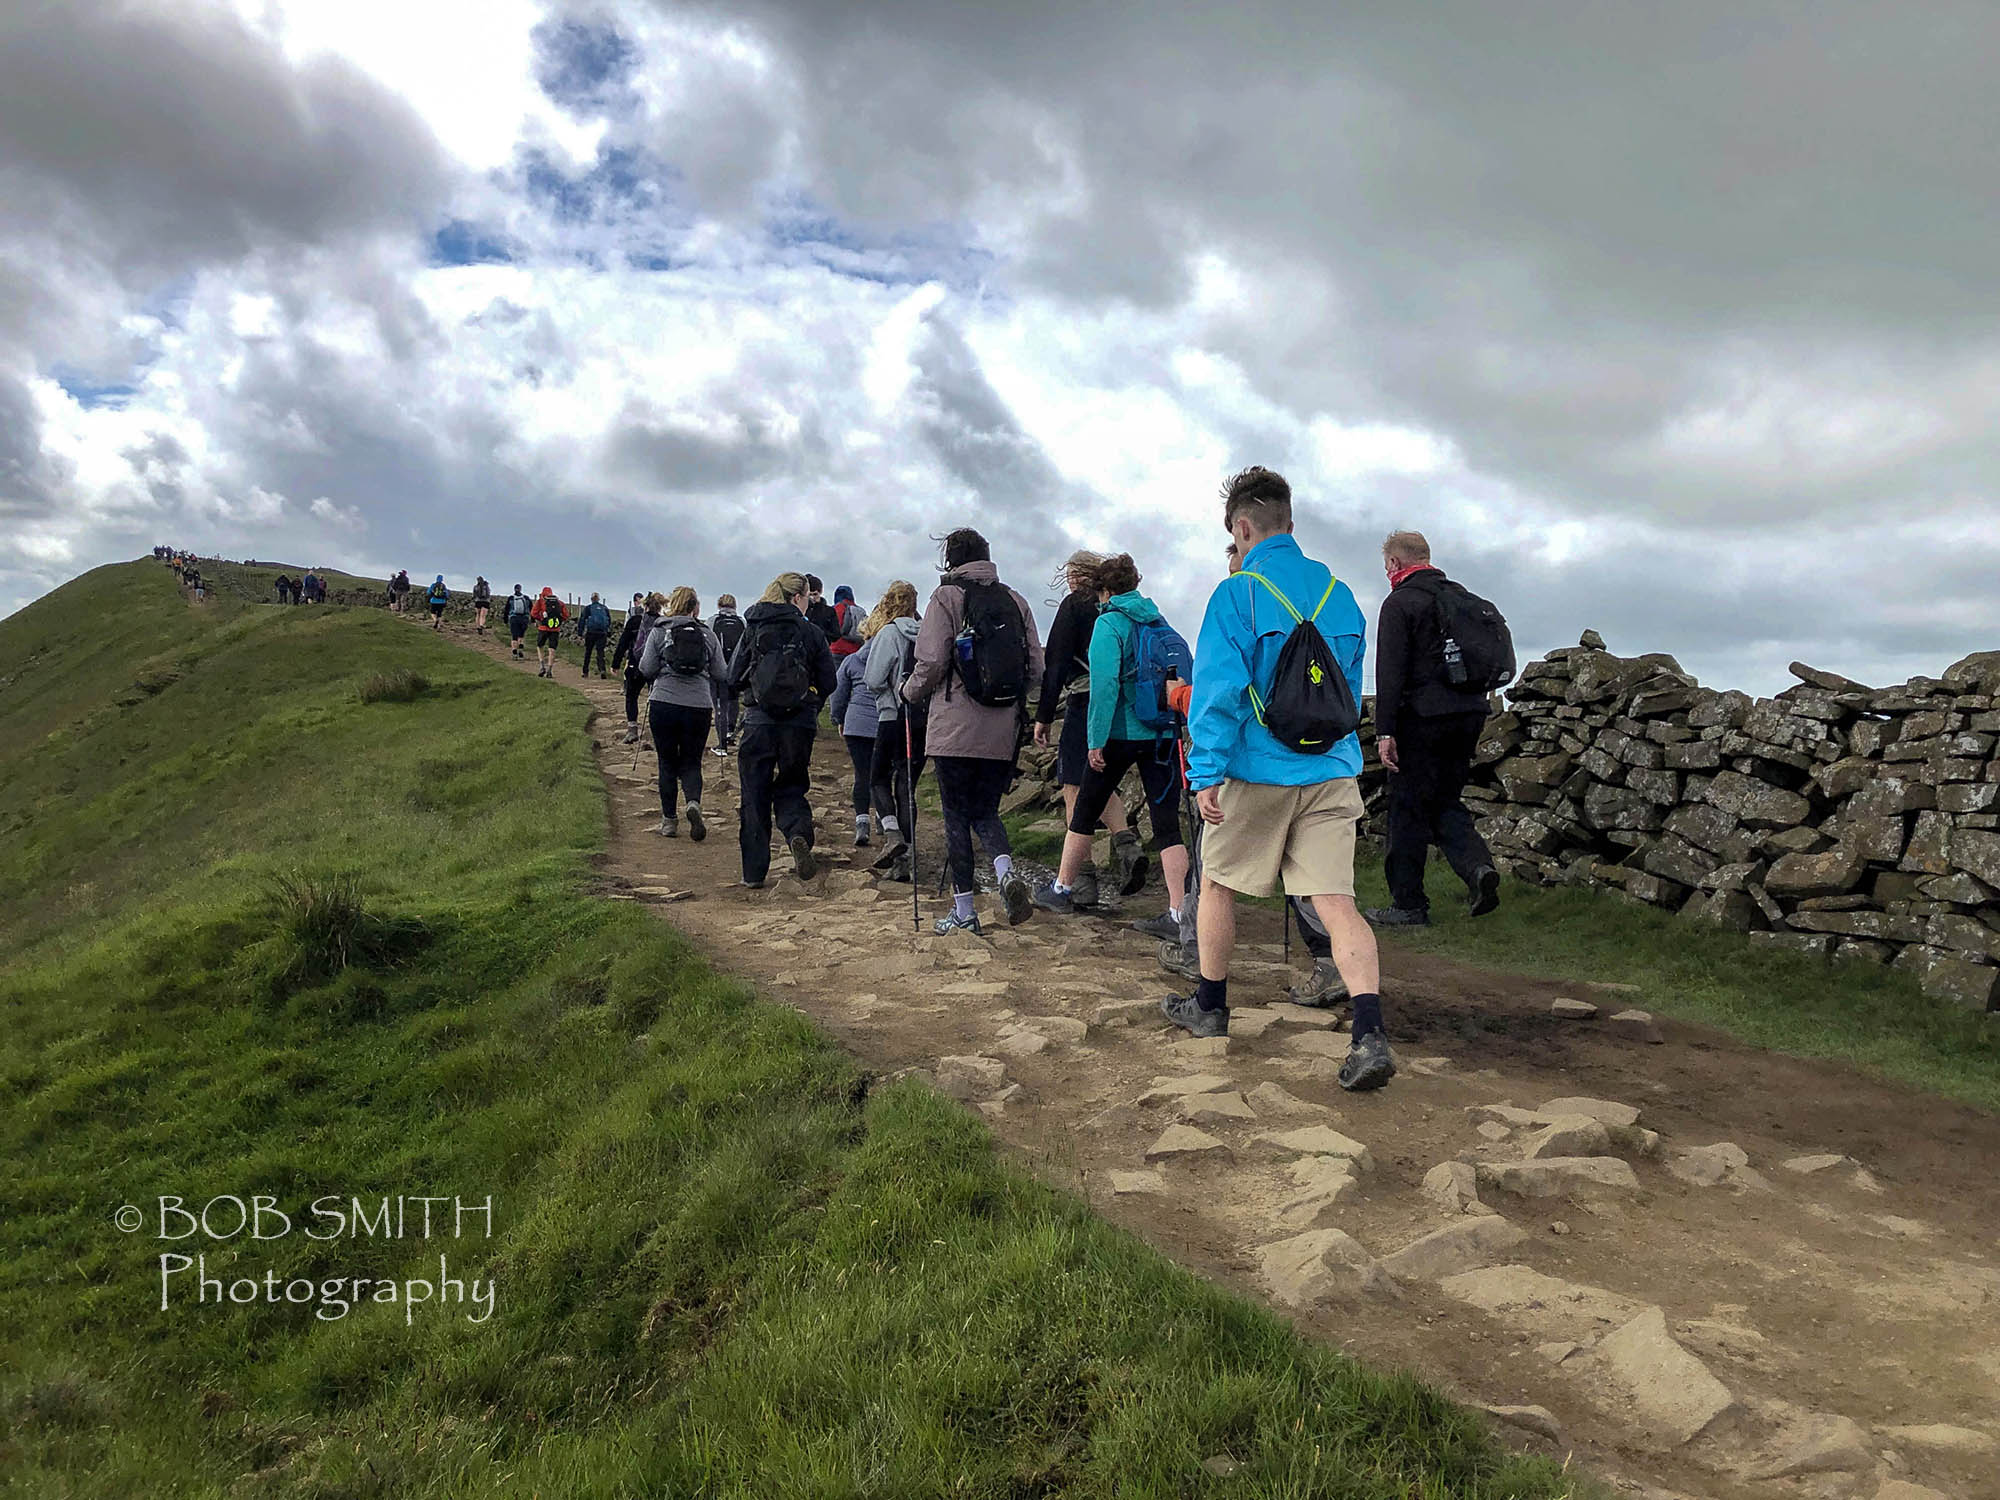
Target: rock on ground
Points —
{"points": [[1318, 1140], [1579, 1135], [1275, 1099], [1725, 1162], [1185, 1143], [1167, 1088], [1322, 1182], [1536, 1419], [1674, 1393], [1198, 1109], [1609, 1111], [1942, 1437], [1454, 1187], [1461, 1246], [969, 1078], [1572, 1010], [1560, 1176], [1318, 1264], [1542, 1306], [1126, 1183], [1821, 1444]]}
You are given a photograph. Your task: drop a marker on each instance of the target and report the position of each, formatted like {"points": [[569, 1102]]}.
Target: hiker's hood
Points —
{"points": [[437, 580], [759, 612], [973, 572], [548, 593], [1135, 606], [906, 626], [843, 595]]}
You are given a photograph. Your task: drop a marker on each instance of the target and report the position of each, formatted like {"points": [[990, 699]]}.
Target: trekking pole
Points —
{"points": [[910, 782]]}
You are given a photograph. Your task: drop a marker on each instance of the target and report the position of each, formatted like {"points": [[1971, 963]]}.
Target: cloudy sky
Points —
{"points": [[1676, 321]]}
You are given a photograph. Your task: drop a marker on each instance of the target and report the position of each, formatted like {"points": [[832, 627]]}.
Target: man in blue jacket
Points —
{"points": [[1275, 815]]}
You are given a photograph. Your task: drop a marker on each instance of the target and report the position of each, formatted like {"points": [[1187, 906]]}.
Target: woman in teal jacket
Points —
{"points": [[1120, 740]]}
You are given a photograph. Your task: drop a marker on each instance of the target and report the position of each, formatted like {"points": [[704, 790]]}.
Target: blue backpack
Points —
{"points": [[1157, 652]]}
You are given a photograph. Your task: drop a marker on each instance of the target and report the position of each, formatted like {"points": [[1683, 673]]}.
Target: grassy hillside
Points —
{"points": [[263, 937]]}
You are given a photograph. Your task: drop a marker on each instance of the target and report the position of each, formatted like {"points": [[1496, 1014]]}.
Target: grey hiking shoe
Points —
{"points": [[1020, 901], [1323, 986], [631, 735], [1484, 894], [1397, 916], [670, 828], [1084, 892], [1369, 1063], [1128, 863], [1185, 1012], [1166, 927], [952, 922], [697, 824], [804, 865], [891, 855], [1175, 959], [1048, 898]]}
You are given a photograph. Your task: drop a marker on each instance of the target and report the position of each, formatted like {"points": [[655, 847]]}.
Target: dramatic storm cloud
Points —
{"points": [[1673, 321]]}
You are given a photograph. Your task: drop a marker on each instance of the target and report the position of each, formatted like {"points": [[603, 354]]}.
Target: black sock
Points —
{"points": [[1212, 994], [1367, 1014]]}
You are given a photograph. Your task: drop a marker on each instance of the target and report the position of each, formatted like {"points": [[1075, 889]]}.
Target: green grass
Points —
{"points": [[1864, 1014], [264, 938]]}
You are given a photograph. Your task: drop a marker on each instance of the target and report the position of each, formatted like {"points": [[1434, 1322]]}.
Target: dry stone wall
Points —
{"points": [[1835, 819]]}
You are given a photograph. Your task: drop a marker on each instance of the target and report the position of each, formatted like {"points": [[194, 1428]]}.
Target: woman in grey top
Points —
{"points": [[682, 659]]}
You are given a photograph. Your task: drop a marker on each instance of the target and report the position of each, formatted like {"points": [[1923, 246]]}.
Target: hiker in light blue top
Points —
{"points": [[1275, 815]]}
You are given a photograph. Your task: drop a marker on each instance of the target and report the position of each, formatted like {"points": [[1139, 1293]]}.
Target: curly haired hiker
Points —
{"points": [[549, 615], [978, 654], [1281, 648], [683, 661], [1066, 685], [891, 633], [1132, 651], [784, 671]]}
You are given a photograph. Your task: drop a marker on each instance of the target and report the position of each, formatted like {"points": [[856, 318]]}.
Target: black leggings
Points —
{"points": [[1159, 766], [679, 736], [593, 643], [892, 790], [634, 685], [971, 791], [861, 750]]}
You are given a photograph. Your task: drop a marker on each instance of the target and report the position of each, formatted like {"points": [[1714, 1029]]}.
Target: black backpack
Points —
{"points": [[685, 653], [1311, 708], [728, 630], [780, 681], [1473, 638], [991, 652]]}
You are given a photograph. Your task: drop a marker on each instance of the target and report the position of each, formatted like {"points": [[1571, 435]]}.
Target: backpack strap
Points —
{"points": [[1332, 582]]}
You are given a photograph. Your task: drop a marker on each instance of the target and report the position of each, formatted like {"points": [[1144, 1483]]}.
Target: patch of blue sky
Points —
{"points": [[462, 243], [802, 231], [584, 66], [91, 393]]}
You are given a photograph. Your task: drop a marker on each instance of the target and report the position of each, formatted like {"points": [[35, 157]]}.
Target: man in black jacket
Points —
{"points": [[1426, 731]]}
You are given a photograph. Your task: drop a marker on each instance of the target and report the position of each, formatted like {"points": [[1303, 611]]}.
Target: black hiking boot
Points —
{"points": [[899, 869], [1176, 959], [804, 865], [1397, 916], [1369, 1063], [1185, 1012], [697, 824], [892, 855], [1085, 893], [1484, 892], [1048, 898], [1019, 900], [1322, 987], [1166, 927], [1128, 863]]}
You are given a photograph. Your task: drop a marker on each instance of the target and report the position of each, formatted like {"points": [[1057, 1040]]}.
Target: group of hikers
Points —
{"points": [[186, 567], [1244, 745], [307, 588]]}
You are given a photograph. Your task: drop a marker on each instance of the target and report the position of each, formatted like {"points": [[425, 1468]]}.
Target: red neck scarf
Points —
{"points": [[1401, 573]]}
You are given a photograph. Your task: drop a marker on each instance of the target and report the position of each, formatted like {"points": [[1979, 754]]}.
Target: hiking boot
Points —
{"points": [[899, 869], [631, 735], [697, 824], [1166, 927], [861, 833], [1485, 891], [1085, 892], [803, 863], [1323, 986], [670, 828], [1128, 863], [753, 885], [1397, 916], [952, 922], [1369, 1063], [1048, 898], [1185, 1012], [1020, 901], [891, 856], [1178, 960]]}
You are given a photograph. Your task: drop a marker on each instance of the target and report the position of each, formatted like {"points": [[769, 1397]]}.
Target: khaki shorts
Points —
{"points": [[1304, 834]]}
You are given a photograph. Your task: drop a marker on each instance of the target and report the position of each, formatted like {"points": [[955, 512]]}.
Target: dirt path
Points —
{"points": [[1686, 1302]]}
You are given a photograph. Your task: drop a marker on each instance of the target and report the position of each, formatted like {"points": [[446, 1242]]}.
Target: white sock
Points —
{"points": [[1003, 866]]}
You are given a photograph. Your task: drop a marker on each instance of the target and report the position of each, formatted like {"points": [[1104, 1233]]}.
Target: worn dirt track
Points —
{"points": [[1841, 1323]]}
